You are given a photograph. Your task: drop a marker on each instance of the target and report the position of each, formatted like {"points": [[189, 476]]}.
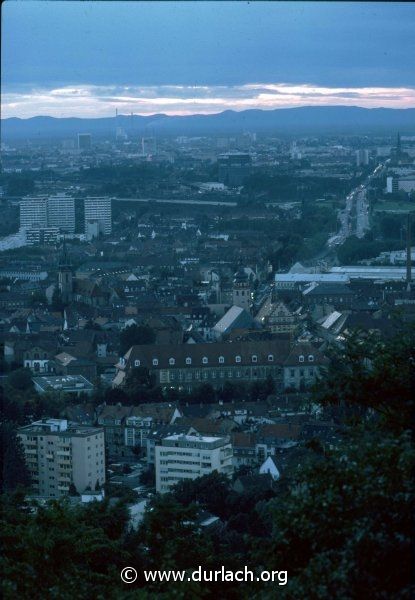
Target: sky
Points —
{"points": [[87, 59]]}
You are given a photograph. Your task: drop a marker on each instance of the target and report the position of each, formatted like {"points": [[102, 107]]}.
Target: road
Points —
{"points": [[354, 218]]}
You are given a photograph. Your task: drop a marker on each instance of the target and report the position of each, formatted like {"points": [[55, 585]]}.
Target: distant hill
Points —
{"points": [[281, 121]]}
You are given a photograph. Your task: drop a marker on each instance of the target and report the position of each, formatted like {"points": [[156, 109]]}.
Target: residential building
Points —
{"points": [[59, 454], [34, 212], [41, 235], [184, 457], [98, 209], [61, 213], [45, 216]]}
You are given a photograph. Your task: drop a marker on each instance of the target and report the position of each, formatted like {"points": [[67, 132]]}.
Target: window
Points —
{"points": [[155, 362], [188, 361], [310, 358], [270, 358], [205, 360], [301, 358], [136, 363], [221, 360], [238, 359], [292, 373], [254, 358], [171, 361]]}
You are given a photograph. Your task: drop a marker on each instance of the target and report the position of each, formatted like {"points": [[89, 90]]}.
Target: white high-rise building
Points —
{"points": [[61, 213], [99, 209], [34, 212], [52, 213], [59, 454], [181, 457]]}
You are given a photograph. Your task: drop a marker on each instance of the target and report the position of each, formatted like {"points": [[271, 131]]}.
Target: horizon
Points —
{"points": [[134, 114]]}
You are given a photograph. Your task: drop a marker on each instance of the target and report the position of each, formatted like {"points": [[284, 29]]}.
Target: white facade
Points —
{"points": [[61, 213], [34, 212], [183, 457], [47, 213], [58, 454], [98, 209]]}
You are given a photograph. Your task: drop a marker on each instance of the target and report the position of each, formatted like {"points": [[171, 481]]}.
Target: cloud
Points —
{"points": [[102, 101]]}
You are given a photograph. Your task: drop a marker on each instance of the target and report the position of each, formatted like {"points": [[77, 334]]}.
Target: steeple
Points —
{"points": [[64, 260], [65, 281]]}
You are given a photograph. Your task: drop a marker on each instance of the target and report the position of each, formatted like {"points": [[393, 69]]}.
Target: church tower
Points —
{"points": [[65, 276], [241, 292]]}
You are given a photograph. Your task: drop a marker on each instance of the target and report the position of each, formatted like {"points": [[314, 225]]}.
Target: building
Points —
{"points": [[291, 281], [277, 317], [41, 235], [98, 209], [187, 366], [303, 366], [34, 212], [184, 457], [84, 141], [362, 157], [241, 291], [235, 318], [61, 213], [74, 385], [44, 217], [59, 454], [65, 277], [392, 185], [37, 357], [234, 168]]}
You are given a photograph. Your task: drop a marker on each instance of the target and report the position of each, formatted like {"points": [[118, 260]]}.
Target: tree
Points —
{"points": [[343, 520], [170, 534], [368, 374], [136, 335], [21, 379], [62, 552], [13, 470]]}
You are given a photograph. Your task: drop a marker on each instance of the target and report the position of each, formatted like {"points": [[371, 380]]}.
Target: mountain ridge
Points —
{"points": [[303, 119]]}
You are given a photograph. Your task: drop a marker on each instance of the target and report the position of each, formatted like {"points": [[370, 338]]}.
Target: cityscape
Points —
{"points": [[207, 316]]}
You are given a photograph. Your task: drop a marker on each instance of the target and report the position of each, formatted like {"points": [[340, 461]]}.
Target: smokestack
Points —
{"points": [[408, 253]]}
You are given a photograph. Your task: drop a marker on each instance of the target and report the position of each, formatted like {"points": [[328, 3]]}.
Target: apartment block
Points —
{"points": [[46, 216], [59, 453], [98, 210], [182, 457], [34, 212], [61, 213]]}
